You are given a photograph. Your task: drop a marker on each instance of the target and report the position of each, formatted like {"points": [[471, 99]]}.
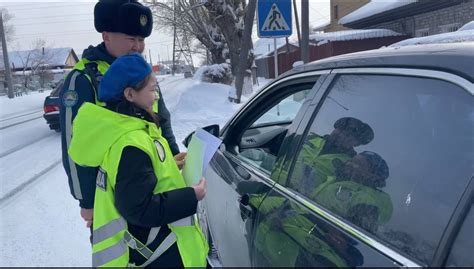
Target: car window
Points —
{"points": [[261, 142], [390, 154], [284, 111], [461, 251], [57, 89]]}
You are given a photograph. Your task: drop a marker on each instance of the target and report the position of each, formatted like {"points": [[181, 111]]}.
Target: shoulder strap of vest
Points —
{"points": [[92, 71]]}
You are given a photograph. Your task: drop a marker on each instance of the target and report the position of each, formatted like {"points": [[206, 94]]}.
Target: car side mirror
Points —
{"points": [[212, 129]]}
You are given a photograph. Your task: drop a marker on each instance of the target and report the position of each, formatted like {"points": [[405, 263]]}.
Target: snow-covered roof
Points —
{"points": [[453, 37], [55, 57], [323, 38], [467, 26], [372, 8], [320, 26]]}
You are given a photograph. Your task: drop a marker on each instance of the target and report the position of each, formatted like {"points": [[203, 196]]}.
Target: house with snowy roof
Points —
{"points": [[52, 58], [415, 18], [44, 64]]}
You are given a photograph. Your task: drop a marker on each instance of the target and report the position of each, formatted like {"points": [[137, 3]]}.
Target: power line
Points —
{"points": [[53, 22], [32, 8], [315, 10], [55, 33], [47, 17]]}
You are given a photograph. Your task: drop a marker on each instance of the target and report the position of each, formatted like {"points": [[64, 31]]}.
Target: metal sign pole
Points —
{"points": [[275, 54]]}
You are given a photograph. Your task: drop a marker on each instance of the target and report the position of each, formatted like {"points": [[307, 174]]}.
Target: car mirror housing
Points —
{"points": [[212, 129]]}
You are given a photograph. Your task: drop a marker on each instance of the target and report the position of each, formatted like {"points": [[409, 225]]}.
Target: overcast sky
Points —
{"points": [[71, 24]]}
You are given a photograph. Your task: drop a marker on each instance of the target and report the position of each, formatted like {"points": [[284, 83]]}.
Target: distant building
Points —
{"points": [[54, 58], [414, 18], [339, 9], [43, 65]]}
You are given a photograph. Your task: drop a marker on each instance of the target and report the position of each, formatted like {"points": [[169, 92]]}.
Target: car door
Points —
{"points": [[393, 214], [240, 172]]}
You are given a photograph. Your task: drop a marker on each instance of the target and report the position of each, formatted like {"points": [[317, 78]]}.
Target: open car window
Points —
{"points": [[260, 143]]}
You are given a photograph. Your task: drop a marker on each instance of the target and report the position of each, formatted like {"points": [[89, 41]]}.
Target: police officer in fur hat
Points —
{"points": [[124, 25]]}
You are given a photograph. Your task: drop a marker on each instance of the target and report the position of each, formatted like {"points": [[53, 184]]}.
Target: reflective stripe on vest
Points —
{"points": [[108, 230], [109, 254], [76, 186]]}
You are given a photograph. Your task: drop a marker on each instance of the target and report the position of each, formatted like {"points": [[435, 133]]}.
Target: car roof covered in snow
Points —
{"points": [[457, 58]]}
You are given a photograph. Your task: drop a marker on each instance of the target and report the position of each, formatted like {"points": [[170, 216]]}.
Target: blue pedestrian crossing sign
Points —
{"points": [[274, 18]]}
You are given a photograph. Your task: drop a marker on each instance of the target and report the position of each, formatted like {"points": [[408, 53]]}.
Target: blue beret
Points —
{"points": [[377, 164], [126, 71]]}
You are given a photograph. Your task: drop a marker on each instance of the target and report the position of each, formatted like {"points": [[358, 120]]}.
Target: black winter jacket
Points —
{"points": [[82, 179]]}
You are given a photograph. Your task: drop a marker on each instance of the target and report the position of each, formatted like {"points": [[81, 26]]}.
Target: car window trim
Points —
{"points": [[427, 73], [454, 226], [267, 88], [366, 238]]}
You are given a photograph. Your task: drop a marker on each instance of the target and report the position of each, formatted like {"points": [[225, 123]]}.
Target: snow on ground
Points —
{"points": [[372, 8], [42, 227], [22, 104], [194, 104], [453, 37], [40, 223]]}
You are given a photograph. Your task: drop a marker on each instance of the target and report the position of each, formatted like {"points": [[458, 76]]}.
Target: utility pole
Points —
{"points": [[297, 20], [174, 37], [305, 31], [149, 55], [6, 61]]}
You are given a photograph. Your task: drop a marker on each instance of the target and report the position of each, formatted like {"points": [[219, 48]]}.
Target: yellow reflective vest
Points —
{"points": [[102, 67], [99, 136]]}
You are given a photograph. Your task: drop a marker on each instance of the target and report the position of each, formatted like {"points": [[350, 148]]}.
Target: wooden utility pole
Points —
{"points": [[305, 31], [297, 20], [149, 55], [6, 61], [174, 38], [245, 47]]}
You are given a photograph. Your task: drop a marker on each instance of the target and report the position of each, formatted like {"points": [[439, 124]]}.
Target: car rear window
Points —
{"points": [[55, 92]]}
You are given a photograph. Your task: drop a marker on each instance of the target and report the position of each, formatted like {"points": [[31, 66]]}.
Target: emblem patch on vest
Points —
{"points": [[101, 181], [161, 150], [70, 98], [343, 194]]}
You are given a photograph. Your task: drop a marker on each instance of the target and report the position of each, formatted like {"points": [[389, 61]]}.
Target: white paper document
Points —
{"points": [[201, 148]]}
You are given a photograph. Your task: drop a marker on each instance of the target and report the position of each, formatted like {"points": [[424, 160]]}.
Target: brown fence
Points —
{"points": [[265, 66]]}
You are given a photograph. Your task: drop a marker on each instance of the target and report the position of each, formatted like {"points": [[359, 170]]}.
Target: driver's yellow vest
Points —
{"points": [[111, 239]]}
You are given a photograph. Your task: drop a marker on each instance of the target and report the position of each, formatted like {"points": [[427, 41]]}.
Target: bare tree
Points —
{"points": [[192, 22], [8, 27], [216, 24], [36, 62]]}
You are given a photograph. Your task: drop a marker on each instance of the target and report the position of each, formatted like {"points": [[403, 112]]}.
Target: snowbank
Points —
{"points": [[467, 26], [374, 7], [454, 37]]}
